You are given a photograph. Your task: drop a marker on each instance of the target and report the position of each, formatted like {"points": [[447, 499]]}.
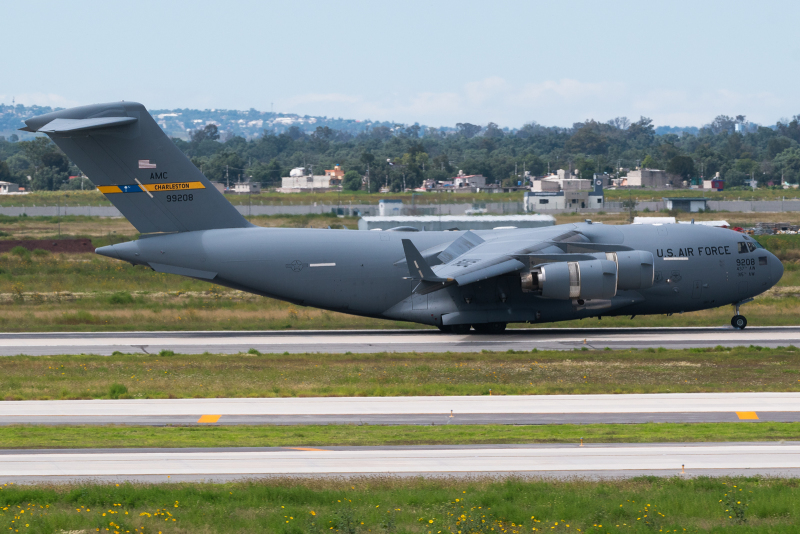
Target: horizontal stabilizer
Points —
{"points": [[69, 126]]}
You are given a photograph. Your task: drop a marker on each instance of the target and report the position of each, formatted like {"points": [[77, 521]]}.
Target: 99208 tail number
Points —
{"points": [[184, 197]]}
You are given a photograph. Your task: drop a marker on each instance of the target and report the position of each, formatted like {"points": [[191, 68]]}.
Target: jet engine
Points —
{"points": [[634, 268], [592, 279]]}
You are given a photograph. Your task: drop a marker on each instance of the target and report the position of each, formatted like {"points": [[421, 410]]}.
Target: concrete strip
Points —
{"points": [[662, 459], [390, 341]]}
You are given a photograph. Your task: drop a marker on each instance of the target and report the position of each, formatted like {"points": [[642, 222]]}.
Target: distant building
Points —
{"points": [[455, 222], [299, 181], [716, 184], [689, 204], [8, 187], [389, 207], [245, 188], [335, 174], [558, 192], [469, 180], [653, 179]]}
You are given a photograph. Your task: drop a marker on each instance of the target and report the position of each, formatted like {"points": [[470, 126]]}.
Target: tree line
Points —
{"points": [[404, 156]]}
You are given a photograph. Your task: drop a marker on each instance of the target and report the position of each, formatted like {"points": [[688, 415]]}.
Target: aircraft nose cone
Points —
{"points": [[776, 269]]}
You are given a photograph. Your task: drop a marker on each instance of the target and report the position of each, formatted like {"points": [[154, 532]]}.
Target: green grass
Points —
{"points": [[110, 436], [400, 374], [408, 505]]}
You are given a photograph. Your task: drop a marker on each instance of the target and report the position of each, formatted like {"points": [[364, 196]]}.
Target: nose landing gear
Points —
{"points": [[738, 321]]}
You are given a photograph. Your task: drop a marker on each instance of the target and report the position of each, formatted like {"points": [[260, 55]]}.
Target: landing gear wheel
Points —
{"points": [[460, 329], [739, 322], [444, 328], [490, 328]]}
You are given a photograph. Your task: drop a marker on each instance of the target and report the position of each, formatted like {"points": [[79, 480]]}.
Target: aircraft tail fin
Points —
{"points": [[127, 155]]}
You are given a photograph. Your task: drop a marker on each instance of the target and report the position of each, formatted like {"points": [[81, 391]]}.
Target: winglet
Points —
{"points": [[417, 266]]}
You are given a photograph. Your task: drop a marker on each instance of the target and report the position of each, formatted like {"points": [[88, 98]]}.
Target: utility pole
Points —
{"points": [[227, 178]]}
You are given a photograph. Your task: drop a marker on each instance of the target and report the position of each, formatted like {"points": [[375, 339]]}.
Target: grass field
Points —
{"points": [[397, 374], [408, 505], [109, 436]]}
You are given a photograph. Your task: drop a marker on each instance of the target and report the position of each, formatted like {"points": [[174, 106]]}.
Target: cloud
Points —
{"points": [[490, 99]]}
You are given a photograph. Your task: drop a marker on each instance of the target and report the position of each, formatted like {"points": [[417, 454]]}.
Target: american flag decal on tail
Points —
{"points": [[145, 164]]}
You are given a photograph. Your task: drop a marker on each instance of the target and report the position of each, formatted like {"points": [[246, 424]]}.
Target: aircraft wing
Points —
{"points": [[470, 258]]}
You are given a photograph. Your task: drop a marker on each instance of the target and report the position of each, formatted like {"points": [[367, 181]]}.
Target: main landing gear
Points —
{"points": [[738, 321], [483, 328]]}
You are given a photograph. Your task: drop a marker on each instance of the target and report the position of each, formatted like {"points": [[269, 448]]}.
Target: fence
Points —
{"points": [[357, 210]]}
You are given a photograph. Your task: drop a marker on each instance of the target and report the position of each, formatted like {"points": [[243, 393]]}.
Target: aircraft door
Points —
{"points": [[419, 302], [697, 288]]}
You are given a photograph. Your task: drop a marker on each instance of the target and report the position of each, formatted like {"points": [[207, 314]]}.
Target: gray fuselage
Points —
{"points": [[365, 273]]}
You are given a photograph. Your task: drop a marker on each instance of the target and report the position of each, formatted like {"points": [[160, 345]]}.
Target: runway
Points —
{"points": [[595, 461], [442, 410], [372, 341]]}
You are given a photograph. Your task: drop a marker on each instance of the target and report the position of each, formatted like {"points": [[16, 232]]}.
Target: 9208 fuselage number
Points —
{"points": [[188, 197]]}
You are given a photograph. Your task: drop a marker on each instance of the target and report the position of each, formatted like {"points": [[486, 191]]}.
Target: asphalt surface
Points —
{"points": [[371, 341], [441, 410], [594, 461]]}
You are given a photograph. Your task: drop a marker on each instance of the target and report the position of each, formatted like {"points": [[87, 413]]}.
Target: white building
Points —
{"points": [[8, 187], [247, 188], [298, 181]]}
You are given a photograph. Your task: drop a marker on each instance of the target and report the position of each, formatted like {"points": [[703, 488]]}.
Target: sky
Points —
{"points": [[435, 62]]}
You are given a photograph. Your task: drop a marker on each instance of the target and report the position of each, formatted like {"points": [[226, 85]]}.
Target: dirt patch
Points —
{"points": [[51, 245]]}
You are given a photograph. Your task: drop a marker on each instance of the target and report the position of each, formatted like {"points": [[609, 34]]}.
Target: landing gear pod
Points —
{"points": [[594, 279], [634, 268]]}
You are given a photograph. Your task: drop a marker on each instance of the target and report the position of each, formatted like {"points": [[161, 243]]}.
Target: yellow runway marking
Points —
{"points": [[305, 449], [209, 419], [747, 415]]}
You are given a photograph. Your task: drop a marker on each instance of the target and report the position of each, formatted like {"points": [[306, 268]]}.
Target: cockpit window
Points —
{"points": [[751, 246], [758, 245], [743, 248]]}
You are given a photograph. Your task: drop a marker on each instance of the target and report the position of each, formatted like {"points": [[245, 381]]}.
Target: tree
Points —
{"points": [[5, 172], [48, 179], [493, 131], [56, 160], [210, 132], [351, 181], [36, 149], [788, 164], [468, 130], [776, 145], [649, 163], [588, 140], [682, 166], [621, 123]]}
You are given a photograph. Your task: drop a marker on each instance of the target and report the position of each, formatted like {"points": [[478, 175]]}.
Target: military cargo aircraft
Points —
{"points": [[455, 280]]}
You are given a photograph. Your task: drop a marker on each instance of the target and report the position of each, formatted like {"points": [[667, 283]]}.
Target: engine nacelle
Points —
{"points": [[635, 268], [593, 279]]}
